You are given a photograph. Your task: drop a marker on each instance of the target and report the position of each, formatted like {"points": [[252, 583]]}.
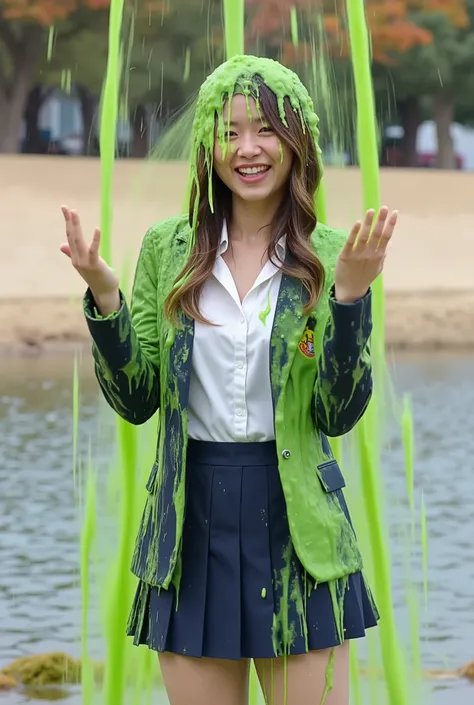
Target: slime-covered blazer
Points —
{"points": [[321, 384]]}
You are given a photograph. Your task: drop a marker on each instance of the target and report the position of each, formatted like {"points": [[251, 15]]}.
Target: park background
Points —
{"points": [[53, 57]]}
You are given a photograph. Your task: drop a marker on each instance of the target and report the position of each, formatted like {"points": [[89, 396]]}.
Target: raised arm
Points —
{"points": [[125, 345], [344, 384]]}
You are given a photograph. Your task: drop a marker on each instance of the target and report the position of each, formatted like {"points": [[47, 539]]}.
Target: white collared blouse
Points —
{"points": [[230, 398]]}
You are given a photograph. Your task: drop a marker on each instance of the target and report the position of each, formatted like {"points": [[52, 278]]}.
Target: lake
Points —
{"points": [[39, 525]]}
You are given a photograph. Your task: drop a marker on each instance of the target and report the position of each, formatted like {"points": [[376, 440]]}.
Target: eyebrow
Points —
{"points": [[232, 123]]}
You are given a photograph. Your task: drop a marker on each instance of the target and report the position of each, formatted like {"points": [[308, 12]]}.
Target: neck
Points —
{"points": [[252, 220]]}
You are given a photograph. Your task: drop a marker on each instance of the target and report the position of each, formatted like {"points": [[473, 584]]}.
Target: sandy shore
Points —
{"points": [[429, 280]]}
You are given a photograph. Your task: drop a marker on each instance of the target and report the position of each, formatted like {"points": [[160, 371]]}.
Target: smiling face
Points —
{"points": [[257, 164]]}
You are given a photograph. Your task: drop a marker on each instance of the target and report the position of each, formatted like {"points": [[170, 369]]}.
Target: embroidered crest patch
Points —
{"points": [[306, 344]]}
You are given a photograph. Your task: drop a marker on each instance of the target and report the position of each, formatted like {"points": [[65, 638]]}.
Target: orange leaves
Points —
{"points": [[269, 17], [399, 39], [455, 10], [291, 55], [393, 30], [46, 12]]}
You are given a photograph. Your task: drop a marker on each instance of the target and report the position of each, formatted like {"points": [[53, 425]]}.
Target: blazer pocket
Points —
{"points": [[150, 485], [331, 476]]}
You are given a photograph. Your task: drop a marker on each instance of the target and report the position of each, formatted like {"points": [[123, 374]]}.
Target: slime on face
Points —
{"points": [[219, 87], [337, 554], [243, 75]]}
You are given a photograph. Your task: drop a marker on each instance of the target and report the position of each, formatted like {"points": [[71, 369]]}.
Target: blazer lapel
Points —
{"points": [[288, 327], [182, 336]]}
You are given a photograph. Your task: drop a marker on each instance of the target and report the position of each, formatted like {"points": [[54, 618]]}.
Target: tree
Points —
{"points": [[168, 48], [81, 57], [420, 48], [168, 63], [389, 24], [322, 53], [431, 78], [23, 40]]}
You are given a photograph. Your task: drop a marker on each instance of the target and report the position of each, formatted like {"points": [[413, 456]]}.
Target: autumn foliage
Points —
{"points": [[392, 28], [46, 12], [394, 32], [455, 10]]}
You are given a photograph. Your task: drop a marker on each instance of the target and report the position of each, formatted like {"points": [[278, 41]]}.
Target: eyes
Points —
{"points": [[265, 129]]}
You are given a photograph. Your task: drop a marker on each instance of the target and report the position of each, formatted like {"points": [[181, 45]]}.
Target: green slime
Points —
{"points": [[337, 554], [263, 315], [369, 452], [237, 75], [118, 587], [217, 88]]}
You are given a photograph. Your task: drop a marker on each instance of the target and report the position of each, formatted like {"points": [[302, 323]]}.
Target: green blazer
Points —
{"points": [[321, 383]]}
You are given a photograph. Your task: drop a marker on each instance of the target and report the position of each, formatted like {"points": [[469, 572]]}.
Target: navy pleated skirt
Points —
{"points": [[242, 586]]}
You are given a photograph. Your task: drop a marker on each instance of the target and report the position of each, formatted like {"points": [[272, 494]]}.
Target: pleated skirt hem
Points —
{"points": [[243, 592]]}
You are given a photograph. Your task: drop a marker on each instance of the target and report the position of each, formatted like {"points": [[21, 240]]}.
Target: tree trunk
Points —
{"points": [[87, 101], [444, 117], [139, 120], [409, 112], [33, 142], [24, 52]]}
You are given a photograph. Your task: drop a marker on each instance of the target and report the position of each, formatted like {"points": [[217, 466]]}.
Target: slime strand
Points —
{"points": [[108, 125], [408, 443], [234, 27], [424, 549], [368, 431], [235, 42]]}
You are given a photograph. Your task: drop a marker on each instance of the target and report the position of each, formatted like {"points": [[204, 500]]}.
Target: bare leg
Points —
{"points": [[204, 681], [304, 678]]}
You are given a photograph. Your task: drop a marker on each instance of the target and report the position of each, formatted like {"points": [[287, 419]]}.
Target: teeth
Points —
{"points": [[253, 170]]}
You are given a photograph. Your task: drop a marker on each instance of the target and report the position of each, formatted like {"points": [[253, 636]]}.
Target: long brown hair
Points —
{"points": [[295, 217]]}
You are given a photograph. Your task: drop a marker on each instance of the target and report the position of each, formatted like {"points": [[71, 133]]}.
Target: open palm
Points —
{"points": [[101, 279], [362, 258]]}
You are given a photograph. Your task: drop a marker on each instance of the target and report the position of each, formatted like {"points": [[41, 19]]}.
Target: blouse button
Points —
{"points": [[286, 454]]}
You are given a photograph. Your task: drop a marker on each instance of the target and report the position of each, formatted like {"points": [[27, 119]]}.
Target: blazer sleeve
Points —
{"points": [[126, 344], [344, 384]]}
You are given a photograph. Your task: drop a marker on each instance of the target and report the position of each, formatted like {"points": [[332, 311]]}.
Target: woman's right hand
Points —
{"points": [[100, 278]]}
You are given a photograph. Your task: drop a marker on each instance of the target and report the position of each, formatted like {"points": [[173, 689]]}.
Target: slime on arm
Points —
{"points": [[236, 75]]}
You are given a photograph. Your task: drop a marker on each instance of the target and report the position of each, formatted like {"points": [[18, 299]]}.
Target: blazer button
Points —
{"points": [[286, 454]]}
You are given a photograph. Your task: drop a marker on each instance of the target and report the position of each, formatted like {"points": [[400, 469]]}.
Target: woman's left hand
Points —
{"points": [[362, 257]]}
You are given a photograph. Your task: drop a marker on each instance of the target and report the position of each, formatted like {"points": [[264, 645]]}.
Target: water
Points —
{"points": [[39, 594]]}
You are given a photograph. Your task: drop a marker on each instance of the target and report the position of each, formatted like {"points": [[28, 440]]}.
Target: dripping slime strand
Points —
{"points": [[369, 452], [235, 45]]}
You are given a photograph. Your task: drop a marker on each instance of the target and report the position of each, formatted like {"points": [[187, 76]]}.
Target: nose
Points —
{"points": [[248, 146]]}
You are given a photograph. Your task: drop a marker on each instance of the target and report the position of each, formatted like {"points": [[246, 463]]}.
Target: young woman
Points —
{"points": [[249, 330]]}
